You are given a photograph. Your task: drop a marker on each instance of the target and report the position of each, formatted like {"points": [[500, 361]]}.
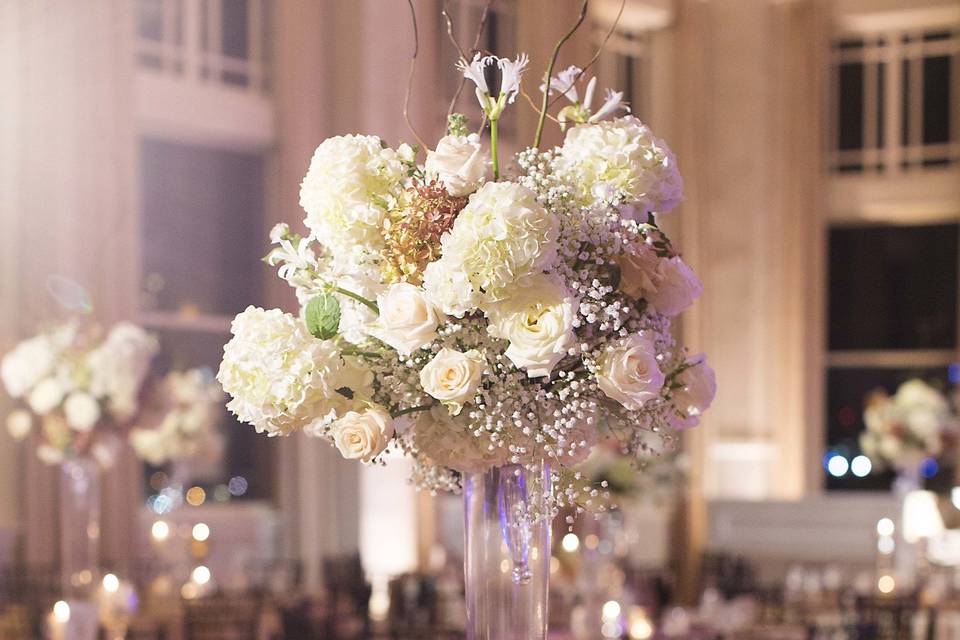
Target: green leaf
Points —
{"points": [[323, 316]]}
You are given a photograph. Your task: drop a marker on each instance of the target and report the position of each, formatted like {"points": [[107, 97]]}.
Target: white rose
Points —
{"points": [[81, 410], [46, 396], [538, 322], [19, 424], [407, 319], [460, 164], [677, 287], [629, 373], [363, 436], [699, 386], [148, 444], [452, 377]]}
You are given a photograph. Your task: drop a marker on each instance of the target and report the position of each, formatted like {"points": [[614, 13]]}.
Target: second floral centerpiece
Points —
{"points": [[493, 327]]}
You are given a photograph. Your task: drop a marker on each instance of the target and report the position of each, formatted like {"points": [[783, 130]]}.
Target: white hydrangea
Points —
{"points": [[501, 238], [281, 378], [620, 160], [350, 182], [33, 360], [118, 367]]}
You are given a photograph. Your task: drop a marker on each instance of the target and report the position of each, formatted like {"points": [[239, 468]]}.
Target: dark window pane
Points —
{"points": [[936, 100], [235, 28], [893, 287], [150, 19], [202, 228], [247, 454], [905, 103], [881, 102], [850, 113], [846, 390]]}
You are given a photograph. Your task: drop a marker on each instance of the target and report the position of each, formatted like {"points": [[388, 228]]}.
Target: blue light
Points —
{"points": [[929, 468], [953, 373]]}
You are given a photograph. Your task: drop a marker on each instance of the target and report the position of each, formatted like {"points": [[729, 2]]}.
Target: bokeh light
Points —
{"points": [[200, 532], [196, 496], [570, 542]]}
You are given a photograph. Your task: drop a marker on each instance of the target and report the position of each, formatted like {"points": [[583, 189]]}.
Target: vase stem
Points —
{"points": [[79, 526], [507, 553]]}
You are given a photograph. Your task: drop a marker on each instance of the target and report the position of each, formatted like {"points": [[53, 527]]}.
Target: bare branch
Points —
{"points": [[553, 61], [463, 56], [413, 65], [603, 43]]}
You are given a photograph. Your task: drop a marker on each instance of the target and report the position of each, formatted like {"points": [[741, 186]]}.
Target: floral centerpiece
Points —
{"points": [[78, 387], [493, 325], [81, 388], [185, 420], [915, 423]]}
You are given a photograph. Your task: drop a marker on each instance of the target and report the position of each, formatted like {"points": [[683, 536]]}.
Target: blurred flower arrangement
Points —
{"points": [[185, 414], [473, 319], [79, 386], [662, 477], [915, 423]]}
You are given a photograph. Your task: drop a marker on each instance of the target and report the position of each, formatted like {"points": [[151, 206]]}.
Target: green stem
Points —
{"points": [[493, 149], [553, 61], [422, 407], [356, 296], [356, 352]]}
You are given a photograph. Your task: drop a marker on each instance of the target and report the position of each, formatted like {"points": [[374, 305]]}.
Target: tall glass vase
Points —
{"points": [[507, 552], [79, 527]]}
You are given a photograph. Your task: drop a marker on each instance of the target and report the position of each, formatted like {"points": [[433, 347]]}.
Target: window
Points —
{"points": [[624, 66], [216, 41], [893, 307], [896, 107], [202, 220]]}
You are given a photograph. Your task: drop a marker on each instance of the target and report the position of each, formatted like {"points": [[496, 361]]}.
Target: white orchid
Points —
{"points": [[511, 72], [580, 112]]}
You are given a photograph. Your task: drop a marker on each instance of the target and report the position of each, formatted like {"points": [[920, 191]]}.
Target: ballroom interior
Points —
{"points": [[148, 147]]}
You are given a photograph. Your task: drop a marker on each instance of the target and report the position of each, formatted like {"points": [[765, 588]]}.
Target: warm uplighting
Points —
{"points": [[886, 584], [640, 628], [921, 516], [201, 532], [570, 542], [200, 575], [196, 496], [885, 527], [160, 531], [111, 584], [61, 612]]}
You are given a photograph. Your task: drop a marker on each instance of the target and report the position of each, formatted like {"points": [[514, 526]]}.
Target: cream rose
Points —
{"points": [[407, 319], [538, 322], [363, 436], [460, 164], [693, 397], [629, 373], [81, 410], [452, 377], [677, 287]]}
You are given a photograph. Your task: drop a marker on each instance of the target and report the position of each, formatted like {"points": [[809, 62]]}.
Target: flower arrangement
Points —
{"points": [[187, 408], [78, 386], [472, 318], [915, 423]]}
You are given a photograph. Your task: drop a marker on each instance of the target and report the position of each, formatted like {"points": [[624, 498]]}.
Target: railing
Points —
{"points": [[220, 42]]}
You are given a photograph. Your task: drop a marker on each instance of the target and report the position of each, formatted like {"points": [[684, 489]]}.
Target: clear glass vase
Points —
{"points": [[79, 527], [507, 552]]}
